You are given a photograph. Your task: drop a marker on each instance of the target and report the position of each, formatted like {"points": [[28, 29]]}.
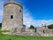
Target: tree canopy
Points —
{"points": [[31, 27], [50, 26]]}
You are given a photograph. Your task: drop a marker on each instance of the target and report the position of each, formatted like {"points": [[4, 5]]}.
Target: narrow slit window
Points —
{"points": [[11, 16], [43, 31]]}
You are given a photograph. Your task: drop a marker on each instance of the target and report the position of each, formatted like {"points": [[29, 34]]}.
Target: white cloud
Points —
{"points": [[28, 20]]}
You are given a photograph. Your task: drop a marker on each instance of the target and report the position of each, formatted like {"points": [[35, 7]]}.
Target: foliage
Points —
{"points": [[24, 25], [0, 31], [50, 26], [0, 25], [31, 27]]}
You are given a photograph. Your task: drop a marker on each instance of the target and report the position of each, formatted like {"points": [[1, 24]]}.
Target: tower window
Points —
{"points": [[43, 31], [20, 10], [11, 16]]}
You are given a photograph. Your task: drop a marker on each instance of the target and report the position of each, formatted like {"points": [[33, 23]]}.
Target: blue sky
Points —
{"points": [[35, 12], [40, 9]]}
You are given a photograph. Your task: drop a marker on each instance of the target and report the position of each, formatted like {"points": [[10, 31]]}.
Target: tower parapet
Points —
{"points": [[12, 2]]}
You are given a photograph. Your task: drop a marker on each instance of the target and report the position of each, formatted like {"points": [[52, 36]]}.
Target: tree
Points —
{"points": [[0, 25], [50, 26], [31, 27], [24, 25]]}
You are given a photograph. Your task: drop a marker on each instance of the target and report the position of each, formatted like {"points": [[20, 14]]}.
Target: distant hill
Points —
{"points": [[50, 26]]}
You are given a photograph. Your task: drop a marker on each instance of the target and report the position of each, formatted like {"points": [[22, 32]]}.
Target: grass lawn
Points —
{"points": [[14, 37]]}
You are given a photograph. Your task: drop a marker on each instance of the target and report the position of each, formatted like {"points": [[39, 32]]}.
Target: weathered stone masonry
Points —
{"points": [[13, 17]]}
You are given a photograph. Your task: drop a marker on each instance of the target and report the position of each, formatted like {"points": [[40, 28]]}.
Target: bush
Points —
{"points": [[0, 25]]}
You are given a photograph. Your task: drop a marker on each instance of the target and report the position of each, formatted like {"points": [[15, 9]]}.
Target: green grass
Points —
{"points": [[5, 30], [14, 37]]}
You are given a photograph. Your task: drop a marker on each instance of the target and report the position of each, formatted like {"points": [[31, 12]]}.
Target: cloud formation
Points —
{"points": [[28, 20]]}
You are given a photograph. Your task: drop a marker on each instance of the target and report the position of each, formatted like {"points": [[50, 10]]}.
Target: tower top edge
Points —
{"points": [[6, 3]]}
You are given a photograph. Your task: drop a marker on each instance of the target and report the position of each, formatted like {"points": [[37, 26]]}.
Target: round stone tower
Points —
{"points": [[13, 17]]}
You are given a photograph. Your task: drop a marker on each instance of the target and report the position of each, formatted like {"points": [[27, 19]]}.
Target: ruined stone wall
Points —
{"points": [[44, 31]]}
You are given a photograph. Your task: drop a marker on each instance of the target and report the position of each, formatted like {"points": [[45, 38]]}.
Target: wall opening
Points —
{"points": [[20, 10], [35, 29], [11, 16], [43, 31]]}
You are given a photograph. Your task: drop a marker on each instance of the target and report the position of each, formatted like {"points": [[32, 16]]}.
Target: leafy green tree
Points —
{"points": [[50, 26], [31, 27]]}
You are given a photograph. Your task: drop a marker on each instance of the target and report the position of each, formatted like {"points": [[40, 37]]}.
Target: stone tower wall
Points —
{"points": [[17, 21]]}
